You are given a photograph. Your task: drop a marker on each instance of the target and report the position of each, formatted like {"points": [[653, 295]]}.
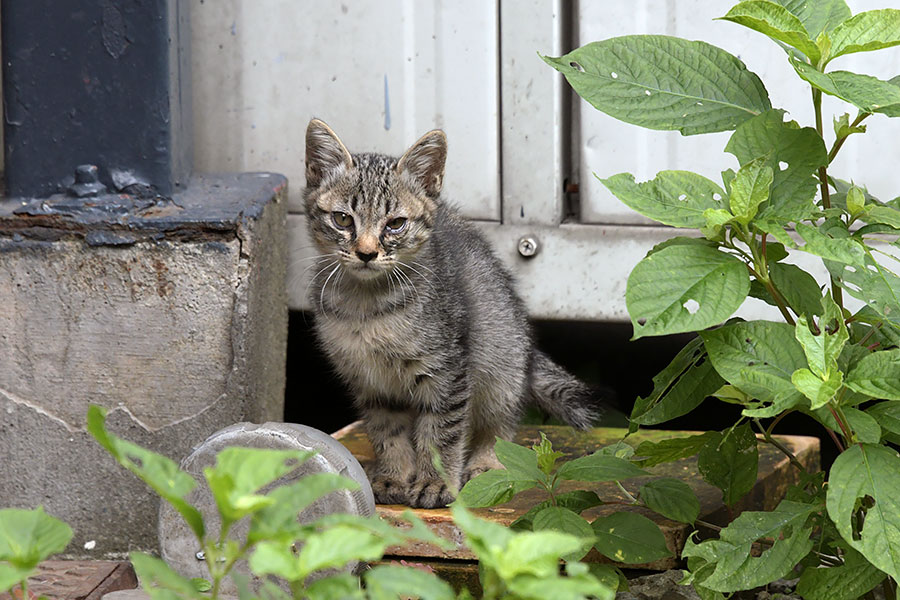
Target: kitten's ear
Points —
{"points": [[324, 152], [424, 161]]}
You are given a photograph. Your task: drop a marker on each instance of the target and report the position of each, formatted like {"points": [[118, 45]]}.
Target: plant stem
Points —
{"points": [[627, 495], [767, 435], [842, 422], [838, 143], [836, 292]]}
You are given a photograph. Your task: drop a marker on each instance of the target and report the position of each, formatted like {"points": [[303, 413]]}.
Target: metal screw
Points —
{"points": [[201, 555], [528, 246], [87, 183]]}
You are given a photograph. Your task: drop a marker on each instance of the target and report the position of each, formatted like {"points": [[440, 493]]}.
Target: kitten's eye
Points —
{"points": [[342, 219], [396, 225]]}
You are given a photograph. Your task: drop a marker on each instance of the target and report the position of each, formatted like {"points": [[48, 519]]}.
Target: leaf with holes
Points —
{"points": [[676, 198], [630, 538], [794, 154], [849, 581], [866, 31], [662, 82], [868, 473], [684, 288], [799, 288], [777, 22], [729, 461], [679, 388], [731, 557], [887, 415], [758, 358]]}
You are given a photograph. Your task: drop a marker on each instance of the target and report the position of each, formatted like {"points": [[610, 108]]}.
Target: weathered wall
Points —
{"points": [[179, 328]]}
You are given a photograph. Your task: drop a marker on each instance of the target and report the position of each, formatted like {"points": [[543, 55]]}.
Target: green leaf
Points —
{"points": [[279, 519], [751, 184], [598, 467], [276, 558], [28, 537], [887, 415], [576, 501], [759, 358], [729, 461], [818, 16], [865, 428], [485, 538], [877, 375], [793, 154], [865, 92], [776, 22], [160, 473], [799, 288], [535, 553], [389, 582], [630, 538], [735, 566], [876, 285], [160, 581], [684, 288], [679, 388], [822, 350], [849, 581], [819, 390], [663, 82], [885, 215], [871, 30], [848, 251], [491, 488], [240, 472], [337, 546], [856, 202], [651, 454], [676, 198], [868, 471], [620, 449], [558, 518], [521, 462], [672, 498], [546, 456], [581, 587], [716, 220], [11, 576], [343, 586]]}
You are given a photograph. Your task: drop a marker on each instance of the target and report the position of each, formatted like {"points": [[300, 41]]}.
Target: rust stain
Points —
{"points": [[164, 286]]}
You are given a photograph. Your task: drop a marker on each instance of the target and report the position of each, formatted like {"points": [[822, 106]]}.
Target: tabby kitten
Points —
{"points": [[420, 320]]}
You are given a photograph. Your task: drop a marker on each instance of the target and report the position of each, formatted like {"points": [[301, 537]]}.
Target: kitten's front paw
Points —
{"points": [[389, 490], [430, 493]]}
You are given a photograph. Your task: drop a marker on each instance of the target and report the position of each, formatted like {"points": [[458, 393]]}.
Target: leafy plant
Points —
{"points": [[27, 537], [514, 566], [626, 537], [840, 366]]}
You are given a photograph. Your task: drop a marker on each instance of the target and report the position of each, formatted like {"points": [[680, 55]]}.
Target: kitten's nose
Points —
{"points": [[366, 256]]}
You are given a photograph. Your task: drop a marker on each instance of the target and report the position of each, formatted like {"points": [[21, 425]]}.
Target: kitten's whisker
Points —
{"points": [[427, 280], [324, 285], [314, 277], [412, 285]]}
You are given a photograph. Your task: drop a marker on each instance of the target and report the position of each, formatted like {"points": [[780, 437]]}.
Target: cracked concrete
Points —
{"points": [[179, 333]]}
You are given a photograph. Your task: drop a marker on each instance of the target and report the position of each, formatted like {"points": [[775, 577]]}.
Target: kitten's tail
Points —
{"points": [[555, 391]]}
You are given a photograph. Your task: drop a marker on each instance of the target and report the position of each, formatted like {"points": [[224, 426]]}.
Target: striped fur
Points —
{"points": [[420, 320]]}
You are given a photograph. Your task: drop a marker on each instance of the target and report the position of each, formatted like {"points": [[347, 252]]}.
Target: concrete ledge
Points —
{"points": [[170, 313]]}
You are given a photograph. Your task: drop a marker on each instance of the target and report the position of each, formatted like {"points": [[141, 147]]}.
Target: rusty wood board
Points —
{"points": [[78, 579], [775, 475]]}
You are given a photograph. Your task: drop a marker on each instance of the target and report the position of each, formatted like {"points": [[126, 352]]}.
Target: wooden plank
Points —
{"points": [[775, 475], [78, 580]]}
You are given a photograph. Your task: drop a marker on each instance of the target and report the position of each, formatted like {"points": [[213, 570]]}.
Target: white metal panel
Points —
{"points": [[608, 146], [380, 72], [535, 134]]}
